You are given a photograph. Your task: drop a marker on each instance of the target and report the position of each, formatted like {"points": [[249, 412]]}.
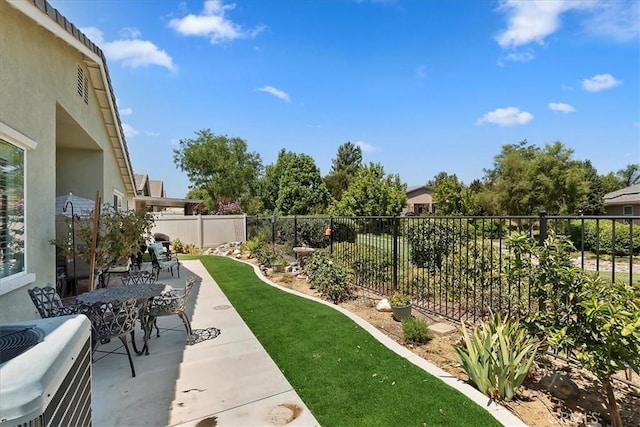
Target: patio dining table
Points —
{"points": [[142, 292]]}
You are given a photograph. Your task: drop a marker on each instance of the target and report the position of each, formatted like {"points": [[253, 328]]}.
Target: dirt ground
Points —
{"points": [[533, 404]]}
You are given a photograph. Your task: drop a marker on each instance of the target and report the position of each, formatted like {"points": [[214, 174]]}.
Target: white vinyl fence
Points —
{"points": [[203, 231]]}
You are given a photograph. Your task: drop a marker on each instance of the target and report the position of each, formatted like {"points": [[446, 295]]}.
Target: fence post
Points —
{"points": [[295, 231], [273, 229], [331, 236], [246, 227], [395, 253], [543, 228], [200, 232]]}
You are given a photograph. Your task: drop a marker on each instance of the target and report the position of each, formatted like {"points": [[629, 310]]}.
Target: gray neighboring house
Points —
{"points": [[625, 202]]}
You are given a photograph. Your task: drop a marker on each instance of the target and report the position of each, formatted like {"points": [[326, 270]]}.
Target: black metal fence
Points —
{"points": [[457, 267]]}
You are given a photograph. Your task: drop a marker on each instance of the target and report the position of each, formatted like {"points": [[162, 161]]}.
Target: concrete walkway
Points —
{"points": [[225, 378]]}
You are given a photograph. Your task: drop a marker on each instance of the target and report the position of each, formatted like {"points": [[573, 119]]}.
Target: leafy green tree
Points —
{"points": [[447, 193], [220, 165], [629, 175], [593, 203], [611, 182], [372, 193], [343, 169], [526, 179], [201, 193], [293, 186]]}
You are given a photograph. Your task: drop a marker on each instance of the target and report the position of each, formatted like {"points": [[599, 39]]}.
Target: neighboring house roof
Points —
{"points": [[626, 196], [48, 17], [418, 187], [156, 188], [141, 180]]}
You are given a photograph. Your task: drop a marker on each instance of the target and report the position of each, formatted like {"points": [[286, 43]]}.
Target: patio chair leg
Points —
{"points": [[178, 270], [155, 323], [123, 338], [187, 326]]}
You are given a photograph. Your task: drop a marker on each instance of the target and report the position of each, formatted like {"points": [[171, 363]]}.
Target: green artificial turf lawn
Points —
{"points": [[344, 375]]}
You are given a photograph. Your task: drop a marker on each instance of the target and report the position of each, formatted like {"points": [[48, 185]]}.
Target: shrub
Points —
{"points": [[254, 244], [191, 249], [398, 299], [599, 237], [430, 242], [497, 356], [330, 279], [177, 245], [265, 254], [371, 265], [311, 232], [416, 330], [344, 230]]}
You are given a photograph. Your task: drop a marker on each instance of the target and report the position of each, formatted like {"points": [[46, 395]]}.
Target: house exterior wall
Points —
{"points": [[417, 197], [618, 210], [38, 74]]}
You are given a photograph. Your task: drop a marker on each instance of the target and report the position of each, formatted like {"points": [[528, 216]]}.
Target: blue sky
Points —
{"points": [[422, 86]]}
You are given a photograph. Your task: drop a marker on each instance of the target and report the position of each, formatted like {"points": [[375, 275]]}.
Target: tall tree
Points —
{"points": [[372, 193], [220, 165], [343, 169], [630, 175], [447, 193], [611, 182], [294, 186], [593, 203], [526, 179]]}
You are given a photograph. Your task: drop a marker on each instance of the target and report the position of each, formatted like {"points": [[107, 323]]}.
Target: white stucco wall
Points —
{"points": [[38, 75]]}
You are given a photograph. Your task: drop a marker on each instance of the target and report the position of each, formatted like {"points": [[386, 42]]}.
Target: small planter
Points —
{"points": [[400, 313]]}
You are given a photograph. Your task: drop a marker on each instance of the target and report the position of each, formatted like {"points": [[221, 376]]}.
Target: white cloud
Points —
{"points": [[600, 82], [562, 107], [276, 92], [213, 24], [509, 116], [636, 124], [530, 21], [129, 131], [130, 52], [125, 111], [150, 133], [619, 20], [365, 147], [525, 56]]}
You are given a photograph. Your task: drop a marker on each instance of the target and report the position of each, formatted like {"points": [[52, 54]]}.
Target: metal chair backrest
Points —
{"points": [[112, 319], [138, 277], [49, 303]]}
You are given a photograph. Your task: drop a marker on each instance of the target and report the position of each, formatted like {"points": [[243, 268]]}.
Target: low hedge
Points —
{"points": [[599, 237]]}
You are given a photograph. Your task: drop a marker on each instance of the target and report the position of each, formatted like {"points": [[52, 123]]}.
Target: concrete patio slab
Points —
{"points": [[225, 374]]}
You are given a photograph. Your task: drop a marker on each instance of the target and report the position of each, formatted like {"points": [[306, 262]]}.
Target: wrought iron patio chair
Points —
{"points": [[49, 303], [172, 303], [115, 319], [161, 260], [138, 277]]}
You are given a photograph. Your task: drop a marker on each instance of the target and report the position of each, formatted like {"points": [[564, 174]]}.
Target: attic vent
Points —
{"points": [[83, 85]]}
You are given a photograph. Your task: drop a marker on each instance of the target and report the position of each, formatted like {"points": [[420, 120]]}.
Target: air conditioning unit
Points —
{"points": [[45, 372]]}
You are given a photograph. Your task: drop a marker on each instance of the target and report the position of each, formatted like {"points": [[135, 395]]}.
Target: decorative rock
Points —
{"points": [[281, 415], [383, 305], [442, 328], [236, 252], [560, 386], [301, 276]]}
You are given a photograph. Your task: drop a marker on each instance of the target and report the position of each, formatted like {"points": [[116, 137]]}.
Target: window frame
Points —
{"points": [[624, 210], [26, 144]]}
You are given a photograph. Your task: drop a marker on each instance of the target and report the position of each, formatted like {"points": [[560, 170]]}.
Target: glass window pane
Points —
{"points": [[11, 209]]}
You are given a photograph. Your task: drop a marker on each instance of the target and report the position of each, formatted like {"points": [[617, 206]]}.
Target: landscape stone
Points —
{"points": [[560, 386], [281, 415], [383, 305], [442, 328]]}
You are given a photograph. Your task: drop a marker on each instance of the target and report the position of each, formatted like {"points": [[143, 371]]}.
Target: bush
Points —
{"points": [[344, 230], [330, 279], [430, 242], [265, 254], [416, 330], [311, 232], [599, 237], [177, 246], [398, 299], [371, 265], [497, 356]]}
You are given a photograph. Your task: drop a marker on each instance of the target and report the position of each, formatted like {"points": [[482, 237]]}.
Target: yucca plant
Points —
{"points": [[497, 356]]}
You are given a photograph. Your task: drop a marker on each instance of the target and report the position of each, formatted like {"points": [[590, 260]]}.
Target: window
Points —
{"points": [[12, 242], [627, 210], [117, 201]]}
